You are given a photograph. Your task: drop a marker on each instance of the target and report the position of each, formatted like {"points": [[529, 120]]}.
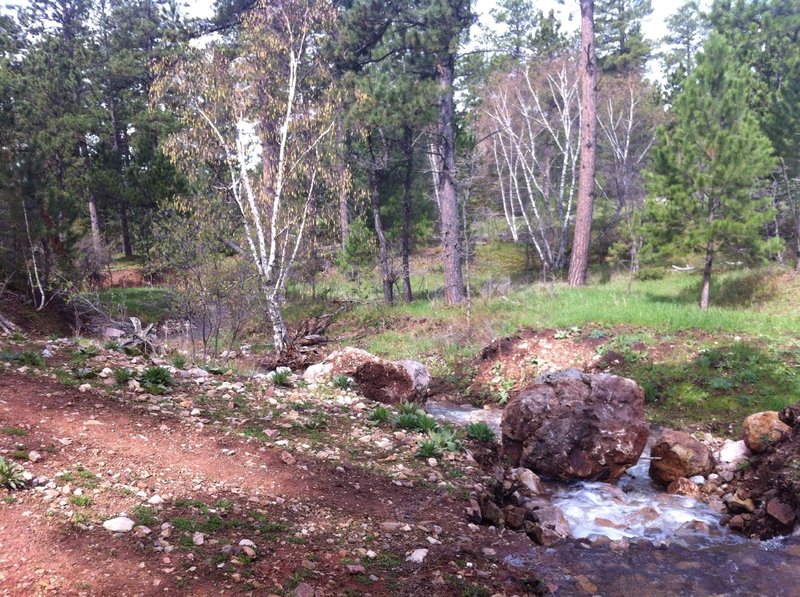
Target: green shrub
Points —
{"points": [[406, 421], [379, 415], [446, 438], [428, 449], [31, 358], [112, 345], [10, 475], [123, 376], [179, 361], [480, 431], [342, 382], [157, 380], [282, 378]]}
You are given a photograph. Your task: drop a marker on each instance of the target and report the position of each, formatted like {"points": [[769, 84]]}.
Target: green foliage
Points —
{"points": [[379, 415], [706, 164], [82, 501], [446, 438], [428, 448], [112, 345], [282, 378], [156, 380], [342, 382], [15, 431], [10, 475], [179, 361], [621, 46], [480, 431], [31, 358], [123, 375]]}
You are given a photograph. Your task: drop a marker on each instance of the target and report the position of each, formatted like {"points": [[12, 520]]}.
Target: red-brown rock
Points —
{"points": [[571, 425], [682, 486], [677, 454], [761, 430]]}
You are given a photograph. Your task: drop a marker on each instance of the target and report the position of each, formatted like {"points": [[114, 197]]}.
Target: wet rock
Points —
{"points": [[120, 524], [761, 430], [548, 525], [738, 503], [570, 425], [514, 517], [781, 511], [377, 379], [683, 486], [676, 454], [528, 479], [490, 512]]}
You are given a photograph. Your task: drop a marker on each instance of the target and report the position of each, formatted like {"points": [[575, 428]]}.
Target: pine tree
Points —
{"points": [[621, 45], [705, 166]]}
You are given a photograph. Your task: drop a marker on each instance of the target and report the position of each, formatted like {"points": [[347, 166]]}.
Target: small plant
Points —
{"points": [[19, 431], [157, 380], [598, 334], [90, 350], [144, 516], [568, 333], [428, 448], [379, 415], [317, 421], [406, 421], [282, 378], [82, 501], [31, 358], [112, 345], [446, 438], [19, 454], [426, 423], [409, 408], [342, 382], [10, 475], [123, 376], [179, 361], [480, 431]]}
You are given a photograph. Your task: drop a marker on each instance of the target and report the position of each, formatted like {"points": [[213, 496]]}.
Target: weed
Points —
{"points": [[223, 504], [282, 378], [480, 431], [19, 454], [409, 408], [379, 415], [464, 588], [112, 345], [82, 501], [318, 420], [65, 377], [428, 448], [123, 376], [342, 382], [446, 438], [192, 503], [157, 380], [568, 333], [10, 475], [179, 361], [183, 524], [144, 516], [17, 431], [31, 358]]}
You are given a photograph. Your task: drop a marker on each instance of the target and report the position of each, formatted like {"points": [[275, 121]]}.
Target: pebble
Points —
{"points": [[198, 538], [417, 556], [156, 500], [120, 524], [83, 388]]}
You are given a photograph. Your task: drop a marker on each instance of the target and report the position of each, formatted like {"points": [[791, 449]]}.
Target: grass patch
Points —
{"points": [[15, 431], [148, 304]]}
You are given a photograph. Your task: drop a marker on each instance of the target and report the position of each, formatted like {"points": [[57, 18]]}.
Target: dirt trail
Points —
{"points": [[159, 454]]}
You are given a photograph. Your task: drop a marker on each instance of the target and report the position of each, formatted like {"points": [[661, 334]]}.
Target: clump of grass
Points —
{"points": [[31, 358], [112, 345], [157, 380], [19, 454], [144, 516], [413, 418], [10, 475], [480, 431], [179, 361], [123, 375], [379, 415], [18, 431], [82, 501], [342, 382], [318, 420], [428, 448], [282, 378]]}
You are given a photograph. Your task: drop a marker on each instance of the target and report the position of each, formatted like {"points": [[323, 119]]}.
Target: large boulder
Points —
{"points": [[572, 425], [761, 430], [676, 454], [385, 381]]}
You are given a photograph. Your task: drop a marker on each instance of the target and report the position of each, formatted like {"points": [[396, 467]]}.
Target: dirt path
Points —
{"points": [[309, 520]]}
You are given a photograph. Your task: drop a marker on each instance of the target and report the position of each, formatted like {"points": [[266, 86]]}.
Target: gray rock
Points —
{"points": [[417, 556]]}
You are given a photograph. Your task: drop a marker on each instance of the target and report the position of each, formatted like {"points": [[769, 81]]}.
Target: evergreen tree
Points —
{"points": [[687, 28], [621, 45], [705, 166]]}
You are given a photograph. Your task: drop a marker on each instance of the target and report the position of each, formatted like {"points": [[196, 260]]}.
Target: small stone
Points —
{"points": [[780, 511], [371, 554], [83, 388], [246, 543], [287, 458], [391, 526], [34, 456], [120, 524], [417, 556], [156, 500], [356, 569], [198, 538], [106, 372], [303, 590], [489, 552], [739, 504], [141, 531]]}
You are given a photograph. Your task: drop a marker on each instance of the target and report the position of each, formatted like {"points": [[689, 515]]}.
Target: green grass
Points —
{"points": [[15, 431], [150, 304]]}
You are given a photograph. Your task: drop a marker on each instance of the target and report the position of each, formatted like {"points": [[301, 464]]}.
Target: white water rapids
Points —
{"points": [[633, 508]]}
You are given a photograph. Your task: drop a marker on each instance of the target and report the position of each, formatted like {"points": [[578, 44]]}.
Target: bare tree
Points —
{"points": [[263, 117], [531, 120]]}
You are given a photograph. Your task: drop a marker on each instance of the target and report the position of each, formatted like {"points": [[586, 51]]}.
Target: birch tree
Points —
{"points": [[531, 118], [260, 118]]}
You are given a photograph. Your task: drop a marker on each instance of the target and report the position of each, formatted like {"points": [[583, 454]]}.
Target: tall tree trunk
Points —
{"points": [[408, 144], [375, 177], [95, 224], [445, 147], [280, 333], [344, 210], [127, 246], [705, 294], [579, 262]]}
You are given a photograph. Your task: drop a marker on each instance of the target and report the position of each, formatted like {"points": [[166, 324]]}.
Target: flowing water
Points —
{"points": [[632, 538]]}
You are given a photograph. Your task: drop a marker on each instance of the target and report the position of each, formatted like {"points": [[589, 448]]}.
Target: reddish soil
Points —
{"points": [[122, 278], [44, 553]]}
